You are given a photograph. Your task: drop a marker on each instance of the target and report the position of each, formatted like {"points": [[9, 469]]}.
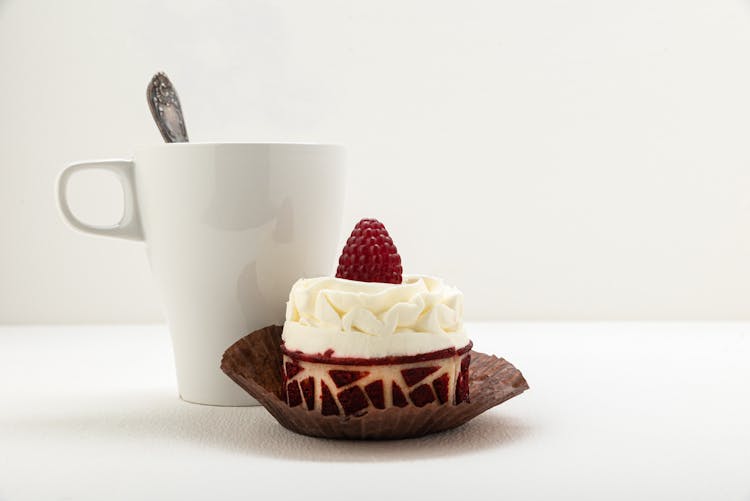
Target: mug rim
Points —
{"points": [[310, 148], [241, 143]]}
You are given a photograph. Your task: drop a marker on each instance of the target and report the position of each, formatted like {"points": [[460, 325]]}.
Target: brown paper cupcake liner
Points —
{"points": [[254, 363]]}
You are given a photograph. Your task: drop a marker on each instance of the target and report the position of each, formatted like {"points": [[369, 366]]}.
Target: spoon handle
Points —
{"points": [[166, 110]]}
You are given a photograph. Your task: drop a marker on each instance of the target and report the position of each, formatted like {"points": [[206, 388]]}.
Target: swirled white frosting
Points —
{"points": [[371, 320]]}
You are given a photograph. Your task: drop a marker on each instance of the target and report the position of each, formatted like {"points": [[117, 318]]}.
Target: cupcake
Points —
{"points": [[370, 354], [372, 338]]}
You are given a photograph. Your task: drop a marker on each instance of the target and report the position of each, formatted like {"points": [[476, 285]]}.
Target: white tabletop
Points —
{"points": [[615, 411]]}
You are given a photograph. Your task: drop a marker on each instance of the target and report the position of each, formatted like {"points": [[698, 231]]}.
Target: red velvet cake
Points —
{"points": [[372, 339]]}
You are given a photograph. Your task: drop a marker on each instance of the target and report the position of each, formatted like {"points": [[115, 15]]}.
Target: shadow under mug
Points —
{"points": [[228, 229]]}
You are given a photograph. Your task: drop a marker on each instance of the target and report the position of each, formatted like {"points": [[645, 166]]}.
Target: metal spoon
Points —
{"points": [[165, 108]]}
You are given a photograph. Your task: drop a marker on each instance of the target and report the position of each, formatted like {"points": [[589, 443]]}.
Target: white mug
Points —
{"points": [[228, 229]]}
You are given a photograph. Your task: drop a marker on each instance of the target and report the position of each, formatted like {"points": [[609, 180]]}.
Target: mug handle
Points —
{"points": [[129, 226]]}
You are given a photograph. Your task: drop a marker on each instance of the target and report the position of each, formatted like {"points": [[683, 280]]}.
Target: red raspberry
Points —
{"points": [[369, 255]]}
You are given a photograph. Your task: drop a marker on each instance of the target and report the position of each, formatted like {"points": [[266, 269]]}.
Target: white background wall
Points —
{"points": [[553, 159]]}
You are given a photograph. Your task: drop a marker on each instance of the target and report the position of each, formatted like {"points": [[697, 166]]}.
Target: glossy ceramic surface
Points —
{"points": [[228, 228]]}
